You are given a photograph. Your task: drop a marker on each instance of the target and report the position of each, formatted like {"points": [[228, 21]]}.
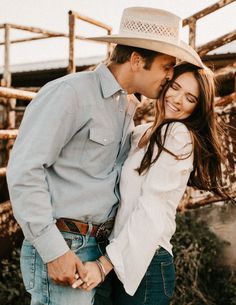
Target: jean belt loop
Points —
{"points": [[90, 226]]}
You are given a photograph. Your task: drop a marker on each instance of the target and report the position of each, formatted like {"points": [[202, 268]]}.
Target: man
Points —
{"points": [[66, 161]]}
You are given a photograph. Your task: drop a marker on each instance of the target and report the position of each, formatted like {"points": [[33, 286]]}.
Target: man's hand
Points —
{"points": [[65, 269]]}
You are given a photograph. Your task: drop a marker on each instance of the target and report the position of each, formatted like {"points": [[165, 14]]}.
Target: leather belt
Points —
{"points": [[75, 226], [101, 231]]}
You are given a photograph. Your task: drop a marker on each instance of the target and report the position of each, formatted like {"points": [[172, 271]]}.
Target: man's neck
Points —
{"points": [[123, 75]]}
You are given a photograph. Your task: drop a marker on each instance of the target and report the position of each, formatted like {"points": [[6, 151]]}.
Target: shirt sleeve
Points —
{"points": [[133, 248], [48, 124]]}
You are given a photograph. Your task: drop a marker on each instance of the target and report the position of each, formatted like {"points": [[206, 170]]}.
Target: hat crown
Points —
{"points": [[153, 29], [150, 23]]}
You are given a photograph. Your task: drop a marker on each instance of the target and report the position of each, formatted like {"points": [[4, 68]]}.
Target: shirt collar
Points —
{"points": [[109, 84]]}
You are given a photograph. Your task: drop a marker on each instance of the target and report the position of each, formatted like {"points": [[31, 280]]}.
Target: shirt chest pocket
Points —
{"points": [[100, 151], [101, 136]]}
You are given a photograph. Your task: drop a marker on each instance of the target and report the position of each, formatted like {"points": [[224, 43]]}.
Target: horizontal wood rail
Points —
{"points": [[15, 93], [6, 134], [206, 11], [216, 43]]}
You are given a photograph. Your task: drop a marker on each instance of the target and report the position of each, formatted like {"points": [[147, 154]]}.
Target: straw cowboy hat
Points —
{"points": [[153, 29]]}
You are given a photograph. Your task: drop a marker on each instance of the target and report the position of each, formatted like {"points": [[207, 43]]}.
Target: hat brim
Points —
{"points": [[181, 50]]}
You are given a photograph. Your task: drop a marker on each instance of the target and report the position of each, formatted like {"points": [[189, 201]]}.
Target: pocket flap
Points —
{"points": [[101, 136]]}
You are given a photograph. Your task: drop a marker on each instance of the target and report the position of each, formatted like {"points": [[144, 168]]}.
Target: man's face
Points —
{"points": [[150, 82]]}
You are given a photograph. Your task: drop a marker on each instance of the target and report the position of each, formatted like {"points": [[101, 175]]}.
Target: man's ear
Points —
{"points": [[136, 61]]}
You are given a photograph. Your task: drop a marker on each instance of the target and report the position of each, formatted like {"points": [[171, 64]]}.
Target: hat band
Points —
{"points": [[150, 30]]}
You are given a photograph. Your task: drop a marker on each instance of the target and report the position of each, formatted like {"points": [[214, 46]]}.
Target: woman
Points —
{"points": [[180, 147]]}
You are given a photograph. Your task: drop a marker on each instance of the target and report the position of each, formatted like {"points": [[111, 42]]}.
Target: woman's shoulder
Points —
{"points": [[175, 128], [178, 136], [140, 129]]}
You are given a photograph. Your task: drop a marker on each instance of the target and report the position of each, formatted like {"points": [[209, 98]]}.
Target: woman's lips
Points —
{"points": [[172, 107]]}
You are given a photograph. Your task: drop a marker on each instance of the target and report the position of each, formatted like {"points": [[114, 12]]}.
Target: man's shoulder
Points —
{"points": [[75, 78]]}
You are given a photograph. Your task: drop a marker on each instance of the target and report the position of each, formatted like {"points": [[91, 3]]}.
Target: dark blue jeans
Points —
{"points": [[156, 287]]}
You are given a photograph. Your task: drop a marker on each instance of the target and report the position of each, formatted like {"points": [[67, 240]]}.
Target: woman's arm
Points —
{"points": [[132, 248]]}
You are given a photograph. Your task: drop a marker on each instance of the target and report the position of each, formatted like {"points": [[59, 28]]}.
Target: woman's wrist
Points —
{"points": [[101, 270], [107, 265]]}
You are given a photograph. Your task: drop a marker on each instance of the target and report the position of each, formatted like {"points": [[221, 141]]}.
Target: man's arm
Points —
{"points": [[49, 123]]}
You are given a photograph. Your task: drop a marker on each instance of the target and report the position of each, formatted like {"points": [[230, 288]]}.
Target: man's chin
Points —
{"points": [[153, 96]]}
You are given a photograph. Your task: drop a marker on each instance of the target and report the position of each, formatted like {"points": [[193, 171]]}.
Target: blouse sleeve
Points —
{"points": [[133, 248]]}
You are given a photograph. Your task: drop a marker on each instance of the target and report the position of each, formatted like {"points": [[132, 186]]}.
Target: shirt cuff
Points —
{"points": [[116, 259], [51, 245]]}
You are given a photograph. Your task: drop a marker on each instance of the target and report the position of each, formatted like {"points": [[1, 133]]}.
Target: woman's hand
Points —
{"points": [[96, 272], [93, 278]]}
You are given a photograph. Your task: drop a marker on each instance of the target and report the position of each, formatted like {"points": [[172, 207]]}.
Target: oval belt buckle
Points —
{"points": [[104, 230]]}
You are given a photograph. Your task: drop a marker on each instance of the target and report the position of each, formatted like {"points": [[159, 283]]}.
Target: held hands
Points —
{"points": [[93, 278], [69, 269], [66, 268], [96, 272]]}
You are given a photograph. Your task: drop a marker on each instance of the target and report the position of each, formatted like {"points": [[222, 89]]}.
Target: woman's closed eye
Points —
{"points": [[174, 86], [191, 99]]}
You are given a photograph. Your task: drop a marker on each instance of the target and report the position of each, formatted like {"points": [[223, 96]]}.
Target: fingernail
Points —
{"points": [[74, 285]]}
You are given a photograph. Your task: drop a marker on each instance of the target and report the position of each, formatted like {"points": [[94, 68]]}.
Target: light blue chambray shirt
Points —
{"points": [[67, 158]]}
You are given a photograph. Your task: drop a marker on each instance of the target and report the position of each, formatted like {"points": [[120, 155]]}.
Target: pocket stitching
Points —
{"points": [[31, 282], [163, 265]]}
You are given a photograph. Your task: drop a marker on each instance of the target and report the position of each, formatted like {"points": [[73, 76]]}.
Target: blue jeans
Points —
{"points": [[156, 287], [42, 289]]}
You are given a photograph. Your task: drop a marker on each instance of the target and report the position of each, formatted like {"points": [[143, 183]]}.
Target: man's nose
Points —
{"points": [[169, 74]]}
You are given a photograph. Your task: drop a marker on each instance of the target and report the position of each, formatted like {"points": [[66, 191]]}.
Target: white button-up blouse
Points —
{"points": [[146, 215]]}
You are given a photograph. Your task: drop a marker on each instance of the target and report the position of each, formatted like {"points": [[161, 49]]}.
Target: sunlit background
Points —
{"points": [[53, 15]]}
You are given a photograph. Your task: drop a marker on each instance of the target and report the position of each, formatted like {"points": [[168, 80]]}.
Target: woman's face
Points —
{"points": [[182, 97]]}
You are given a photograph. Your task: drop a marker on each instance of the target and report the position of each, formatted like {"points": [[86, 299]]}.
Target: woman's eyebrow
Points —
{"points": [[195, 97], [175, 82]]}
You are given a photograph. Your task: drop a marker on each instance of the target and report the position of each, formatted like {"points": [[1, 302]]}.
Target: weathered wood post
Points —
{"points": [[6, 74], [72, 66]]}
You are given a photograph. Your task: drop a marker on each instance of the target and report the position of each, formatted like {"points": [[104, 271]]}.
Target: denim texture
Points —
{"points": [[156, 287], [42, 289]]}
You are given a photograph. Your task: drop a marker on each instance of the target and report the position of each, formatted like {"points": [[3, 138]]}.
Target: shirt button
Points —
{"points": [[105, 140]]}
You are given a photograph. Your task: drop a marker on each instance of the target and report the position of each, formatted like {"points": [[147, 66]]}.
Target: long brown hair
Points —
{"points": [[203, 127]]}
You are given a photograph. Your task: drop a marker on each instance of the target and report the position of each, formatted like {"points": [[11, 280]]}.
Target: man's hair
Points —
{"points": [[121, 54]]}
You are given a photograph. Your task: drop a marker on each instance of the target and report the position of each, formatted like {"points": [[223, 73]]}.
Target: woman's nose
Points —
{"points": [[177, 97]]}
